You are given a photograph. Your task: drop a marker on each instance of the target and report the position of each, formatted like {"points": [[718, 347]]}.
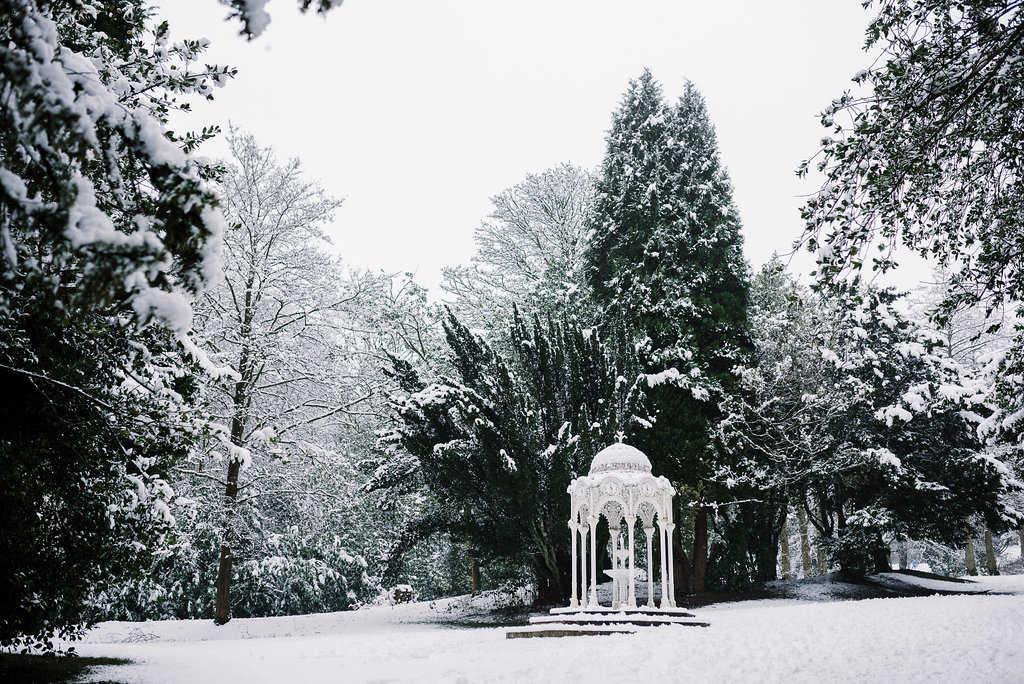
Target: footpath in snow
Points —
{"points": [[963, 638]]}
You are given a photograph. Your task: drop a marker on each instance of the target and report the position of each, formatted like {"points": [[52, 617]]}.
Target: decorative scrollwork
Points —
{"points": [[613, 512], [584, 513], [646, 512]]}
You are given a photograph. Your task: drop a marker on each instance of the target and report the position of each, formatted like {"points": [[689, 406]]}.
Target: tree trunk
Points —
{"points": [[840, 519], [990, 552], [805, 543], [700, 550], [883, 558], [787, 570], [826, 525], [1020, 533], [474, 565], [682, 568], [904, 554], [766, 539], [549, 573], [474, 574], [972, 566], [822, 557], [683, 565], [222, 610]]}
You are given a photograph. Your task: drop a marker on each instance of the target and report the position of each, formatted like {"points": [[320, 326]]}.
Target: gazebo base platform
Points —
{"points": [[621, 610], [602, 621]]}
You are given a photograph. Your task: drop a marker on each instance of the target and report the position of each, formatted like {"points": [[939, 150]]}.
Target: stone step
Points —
{"points": [[564, 629], [645, 620], [568, 630], [605, 610]]}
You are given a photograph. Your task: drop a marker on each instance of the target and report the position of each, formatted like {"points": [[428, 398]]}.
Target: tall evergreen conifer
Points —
{"points": [[665, 261]]}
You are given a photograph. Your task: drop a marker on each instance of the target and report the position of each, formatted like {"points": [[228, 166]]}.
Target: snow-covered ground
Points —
{"points": [[971, 638]]}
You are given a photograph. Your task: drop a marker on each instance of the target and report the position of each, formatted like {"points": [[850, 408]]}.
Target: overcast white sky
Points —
{"points": [[417, 111]]}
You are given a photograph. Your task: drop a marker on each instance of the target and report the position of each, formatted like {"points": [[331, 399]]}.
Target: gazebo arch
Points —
{"points": [[621, 489]]}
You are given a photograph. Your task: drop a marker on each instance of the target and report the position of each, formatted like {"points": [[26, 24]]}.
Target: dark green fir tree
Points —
{"points": [[666, 263], [497, 444]]}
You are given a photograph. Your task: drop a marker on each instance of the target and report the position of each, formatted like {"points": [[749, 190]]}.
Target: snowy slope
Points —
{"points": [[973, 638]]}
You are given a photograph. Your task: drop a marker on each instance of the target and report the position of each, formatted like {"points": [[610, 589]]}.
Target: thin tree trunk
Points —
{"points": [[805, 543], [222, 610], [883, 558], [474, 574], [904, 554], [840, 519], [822, 556], [222, 607], [682, 568], [548, 573], [700, 549], [787, 571], [972, 565], [990, 552], [683, 565], [474, 565]]}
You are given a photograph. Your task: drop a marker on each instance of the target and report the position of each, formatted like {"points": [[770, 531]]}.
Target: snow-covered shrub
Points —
{"points": [[180, 582], [307, 574], [291, 573], [860, 547]]}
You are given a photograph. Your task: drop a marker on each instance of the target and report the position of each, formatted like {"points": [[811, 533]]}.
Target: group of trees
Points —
{"points": [[636, 287], [871, 425], [107, 229], [755, 398], [855, 413], [209, 415], [157, 359], [924, 156]]}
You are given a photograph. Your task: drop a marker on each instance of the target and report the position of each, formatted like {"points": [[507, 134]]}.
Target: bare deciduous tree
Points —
{"points": [[282, 321], [529, 250]]}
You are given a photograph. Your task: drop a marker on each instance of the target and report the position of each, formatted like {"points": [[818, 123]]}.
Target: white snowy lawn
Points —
{"points": [[976, 638]]}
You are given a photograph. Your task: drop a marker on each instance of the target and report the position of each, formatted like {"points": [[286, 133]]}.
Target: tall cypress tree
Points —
{"points": [[665, 261]]}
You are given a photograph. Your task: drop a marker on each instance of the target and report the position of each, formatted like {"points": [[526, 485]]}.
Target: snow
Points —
{"points": [[1008, 583], [620, 457], [669, 375], [211, 269], [889, 413], [257, 17], [830, 356], [173, 309], [203, 359], [911, 350], [887, 458], [915, 397], [933, 638]]}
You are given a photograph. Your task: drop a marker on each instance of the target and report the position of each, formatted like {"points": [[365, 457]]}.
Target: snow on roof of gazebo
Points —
{"points": [[620, 458]]}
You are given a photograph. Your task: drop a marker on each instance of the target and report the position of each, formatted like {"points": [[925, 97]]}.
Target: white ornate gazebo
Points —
{"points": [[621, 488]]}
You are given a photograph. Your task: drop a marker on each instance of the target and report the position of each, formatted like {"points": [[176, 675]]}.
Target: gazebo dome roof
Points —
{"points": [[620, 458]]}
